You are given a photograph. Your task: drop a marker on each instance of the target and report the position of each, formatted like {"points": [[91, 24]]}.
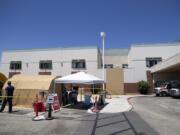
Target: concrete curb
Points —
{"points": [[134, 96], [128, 99], [116, 105]]}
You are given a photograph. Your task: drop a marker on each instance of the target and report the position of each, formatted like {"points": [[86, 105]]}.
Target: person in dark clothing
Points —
{"points": [[9, 93], [64, 97], [74, 95]]}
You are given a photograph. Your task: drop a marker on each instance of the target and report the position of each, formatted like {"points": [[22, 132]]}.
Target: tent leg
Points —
{"points": [[81, 94], [54, 87]]}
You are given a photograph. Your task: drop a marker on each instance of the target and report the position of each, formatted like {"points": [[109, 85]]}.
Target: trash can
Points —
{"points": [[102, 96]]}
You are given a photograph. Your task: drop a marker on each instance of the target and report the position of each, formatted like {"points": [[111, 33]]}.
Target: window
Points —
{"points": [[16, 65], [152, 61], [108, 66], [78, 64], [73, 72], [124, 65], [45, 64], [44, 73]]}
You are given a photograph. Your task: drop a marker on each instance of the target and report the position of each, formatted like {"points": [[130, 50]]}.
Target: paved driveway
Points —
{"points": [[74, 122], [19, 123], [161, 113]]}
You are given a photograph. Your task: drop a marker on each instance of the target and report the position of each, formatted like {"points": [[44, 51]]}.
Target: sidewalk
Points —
{"points": [[117, 104]]}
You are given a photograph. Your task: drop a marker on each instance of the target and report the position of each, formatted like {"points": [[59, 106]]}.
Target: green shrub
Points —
{"points": [[143, 87]]}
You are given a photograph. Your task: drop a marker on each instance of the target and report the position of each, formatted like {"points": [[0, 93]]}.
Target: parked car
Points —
{"points": [[163, 90], [175, 90]]}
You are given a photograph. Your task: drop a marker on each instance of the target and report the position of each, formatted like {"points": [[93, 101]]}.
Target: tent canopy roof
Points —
{"points": [[79, 78], [40, 82]]}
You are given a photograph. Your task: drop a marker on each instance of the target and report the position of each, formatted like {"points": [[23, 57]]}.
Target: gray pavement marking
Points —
{"points": [[161, 113], [115, 133], [131, 126], [111, 123], [107, 117], [95, 124]]}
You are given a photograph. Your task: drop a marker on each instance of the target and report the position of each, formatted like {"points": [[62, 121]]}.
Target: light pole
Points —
{"points": [[103, 35]]}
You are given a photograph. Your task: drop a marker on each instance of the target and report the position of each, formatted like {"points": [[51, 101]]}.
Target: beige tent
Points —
{"points": [[27, 86]]}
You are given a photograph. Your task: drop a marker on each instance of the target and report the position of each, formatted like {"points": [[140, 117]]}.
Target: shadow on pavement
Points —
{"points": [[18, 112], [81, 106], [128, 123]]}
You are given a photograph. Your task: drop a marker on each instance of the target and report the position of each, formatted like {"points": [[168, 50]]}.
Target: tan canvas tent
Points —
{"points": [[27, 86], [3, 78]]}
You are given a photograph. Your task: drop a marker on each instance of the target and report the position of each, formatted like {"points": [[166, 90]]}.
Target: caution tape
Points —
{"points": [[7, 96], [13, 97]]}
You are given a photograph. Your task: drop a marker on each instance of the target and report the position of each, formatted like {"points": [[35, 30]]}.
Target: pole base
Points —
{"points": [[94, 109], [49, 118]]}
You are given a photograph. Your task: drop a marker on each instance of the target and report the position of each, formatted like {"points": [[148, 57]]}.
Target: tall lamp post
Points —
{"points": [[103, 35]]}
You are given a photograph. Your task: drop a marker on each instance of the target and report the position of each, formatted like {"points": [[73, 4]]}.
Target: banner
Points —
{"points": [[55, 104]]}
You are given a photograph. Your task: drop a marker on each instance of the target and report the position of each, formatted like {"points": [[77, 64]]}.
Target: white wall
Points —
{"points": [[129, 75], [138, 54], [58, 56], [116, 60]]}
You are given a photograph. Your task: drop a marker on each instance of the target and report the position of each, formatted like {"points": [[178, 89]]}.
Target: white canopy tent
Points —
{"points": [[79, 78]]}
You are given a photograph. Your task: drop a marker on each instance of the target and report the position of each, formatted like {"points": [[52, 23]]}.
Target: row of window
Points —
{"points": [[79, 64], [112, 66], [150, 61], [47, 64]]}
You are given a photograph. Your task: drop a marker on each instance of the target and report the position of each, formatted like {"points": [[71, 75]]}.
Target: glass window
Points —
{"points": [[78, 64], [152, 61], [45, 64], [176, 85], [108, 66], [16, 65], [124, 65]]}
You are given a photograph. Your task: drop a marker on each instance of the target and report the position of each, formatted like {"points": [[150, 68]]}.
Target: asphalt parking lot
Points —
{"points": [[160, 113], [73, 122], [150, 115], [18, 123]]}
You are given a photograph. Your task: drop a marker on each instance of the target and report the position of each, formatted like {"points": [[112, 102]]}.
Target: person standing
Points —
{"points": [[74, 95], [9, 93]]}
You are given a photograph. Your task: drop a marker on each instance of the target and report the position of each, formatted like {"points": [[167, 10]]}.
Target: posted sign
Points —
{"points": [[55, 104], [50, 99]]}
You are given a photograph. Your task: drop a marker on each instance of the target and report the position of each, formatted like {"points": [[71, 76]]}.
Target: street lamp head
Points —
{"points": [[103, 34]]}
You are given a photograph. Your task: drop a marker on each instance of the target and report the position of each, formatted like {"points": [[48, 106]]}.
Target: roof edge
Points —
{"points": [[156, 44], [55, 48]]}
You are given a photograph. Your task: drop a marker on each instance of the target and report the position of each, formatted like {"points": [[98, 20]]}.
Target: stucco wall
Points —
{"points": [[116, 60], [129, 75], [61, 59], [138, 54]]}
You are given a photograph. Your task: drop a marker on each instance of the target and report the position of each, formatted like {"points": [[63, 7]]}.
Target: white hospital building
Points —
{"points": [[124, 67]]}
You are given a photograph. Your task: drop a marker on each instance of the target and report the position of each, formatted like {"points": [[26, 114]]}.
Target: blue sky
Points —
{"points": [[28, 24]]}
